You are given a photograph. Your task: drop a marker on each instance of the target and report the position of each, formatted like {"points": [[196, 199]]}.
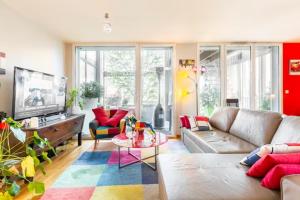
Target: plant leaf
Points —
{"points": [[28, 167], [5, 196], [14, 189], [36, 187], [45, 157]]}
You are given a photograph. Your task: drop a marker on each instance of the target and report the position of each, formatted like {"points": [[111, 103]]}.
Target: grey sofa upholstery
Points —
{"points": [[212, 171]]}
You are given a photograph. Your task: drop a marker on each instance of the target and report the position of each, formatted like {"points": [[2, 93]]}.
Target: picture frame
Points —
{"points": [[294, 67]]}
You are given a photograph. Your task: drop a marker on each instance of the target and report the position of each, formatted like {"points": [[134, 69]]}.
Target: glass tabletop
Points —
{"points": [[146, 140]]}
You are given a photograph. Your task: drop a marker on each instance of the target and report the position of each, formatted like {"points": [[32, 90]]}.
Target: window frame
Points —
{"points": [[223, 67]]}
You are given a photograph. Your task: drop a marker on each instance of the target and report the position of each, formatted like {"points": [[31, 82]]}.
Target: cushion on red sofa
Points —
{"points": [[267, 162], [100, 115], [273, 177], [116, 118]]}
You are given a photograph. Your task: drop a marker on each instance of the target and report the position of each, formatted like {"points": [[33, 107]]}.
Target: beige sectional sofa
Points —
{"points": [[213, 171]]}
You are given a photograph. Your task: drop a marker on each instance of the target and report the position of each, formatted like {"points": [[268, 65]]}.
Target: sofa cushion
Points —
{"points": [[222, 118], [273, 177], [256, 127], [266, 163], [288, 131], [100, 115], [116, 118], [217, 141], [208, 176]]}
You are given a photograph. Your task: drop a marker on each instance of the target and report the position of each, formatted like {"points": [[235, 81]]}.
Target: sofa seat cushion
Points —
{"points": [[288, 131], [106, 131], [256, 127], [208, 176], [217, 141], [223, 117]]}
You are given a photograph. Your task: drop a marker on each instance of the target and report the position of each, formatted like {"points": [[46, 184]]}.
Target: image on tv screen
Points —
{"points": [[38, 94]]}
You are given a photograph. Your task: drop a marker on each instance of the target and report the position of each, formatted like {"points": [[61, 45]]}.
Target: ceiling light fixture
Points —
{"points": [[107, 25]]}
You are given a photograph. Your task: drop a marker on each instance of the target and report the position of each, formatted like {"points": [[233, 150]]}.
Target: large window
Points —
{"points": [[157, 86], [238, 74], [114, 68], [117, 75], [267, 75], [248, 72], [210, 79]]}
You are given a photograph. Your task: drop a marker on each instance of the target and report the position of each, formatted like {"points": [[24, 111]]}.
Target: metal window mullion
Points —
{"points": [[252, 76]]}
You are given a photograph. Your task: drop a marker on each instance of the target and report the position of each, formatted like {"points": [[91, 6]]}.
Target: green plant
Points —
{"points": [[20, 158], [91, 90], [72, 96]]}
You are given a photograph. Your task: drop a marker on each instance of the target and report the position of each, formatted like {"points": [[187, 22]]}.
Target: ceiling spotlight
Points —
{"points": [[107, 25]]}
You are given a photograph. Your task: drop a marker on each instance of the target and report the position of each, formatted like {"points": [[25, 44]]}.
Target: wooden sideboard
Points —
{"points": [[58, 131]]}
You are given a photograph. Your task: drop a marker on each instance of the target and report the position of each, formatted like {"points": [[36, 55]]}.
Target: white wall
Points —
{"points": [[28, 46]]}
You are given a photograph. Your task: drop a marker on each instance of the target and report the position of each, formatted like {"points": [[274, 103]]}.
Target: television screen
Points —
{"points": [[37, 94]]}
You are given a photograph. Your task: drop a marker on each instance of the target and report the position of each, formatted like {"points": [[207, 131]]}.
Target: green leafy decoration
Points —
{"points": [[36, 187]]}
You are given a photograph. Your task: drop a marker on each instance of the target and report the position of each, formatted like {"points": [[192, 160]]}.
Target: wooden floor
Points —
{"points": [[59, 164]]}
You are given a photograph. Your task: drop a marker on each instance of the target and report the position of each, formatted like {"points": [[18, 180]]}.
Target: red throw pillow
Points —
{"points": [[183, 121], [100, 115], [273, 177], [187, 121], [116, 118], [267, 162]]}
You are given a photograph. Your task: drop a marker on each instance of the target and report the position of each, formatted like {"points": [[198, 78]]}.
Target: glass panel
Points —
{"points": [[157, 87], [90, 73], [267, 75], [118, 67], [238, 74], [210, 80]]}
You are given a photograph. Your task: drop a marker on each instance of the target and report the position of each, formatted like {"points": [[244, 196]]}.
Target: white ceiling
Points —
{"points": [[165, 20]]}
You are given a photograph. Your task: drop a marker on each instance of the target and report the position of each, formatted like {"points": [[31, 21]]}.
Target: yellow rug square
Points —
{"points": [[119, 192]]}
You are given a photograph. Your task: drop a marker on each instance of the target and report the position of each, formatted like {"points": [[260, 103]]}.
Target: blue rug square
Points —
{"points": [[112, 175], [149, 176], [93, 158]]}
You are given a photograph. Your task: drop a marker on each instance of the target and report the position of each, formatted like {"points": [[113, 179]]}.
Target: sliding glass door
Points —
{"points": [[145, 87], [157, 87]]}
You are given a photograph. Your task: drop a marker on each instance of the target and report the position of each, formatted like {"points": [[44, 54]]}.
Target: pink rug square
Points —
{"points": [[125, 157], [83, 193]]}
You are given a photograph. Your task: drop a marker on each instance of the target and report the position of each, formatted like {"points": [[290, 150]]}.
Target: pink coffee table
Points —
{"points": [[147, 141]]}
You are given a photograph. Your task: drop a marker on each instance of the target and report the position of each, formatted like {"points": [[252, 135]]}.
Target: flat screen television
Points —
{"points": [[37, 94]]}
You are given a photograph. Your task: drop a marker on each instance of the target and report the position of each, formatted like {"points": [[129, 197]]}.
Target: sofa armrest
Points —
{"points": [[290, 187], [93, 125]]}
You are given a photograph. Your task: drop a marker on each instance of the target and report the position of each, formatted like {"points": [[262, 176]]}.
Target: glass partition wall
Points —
{"points": [[138, 79], [248, 72]]}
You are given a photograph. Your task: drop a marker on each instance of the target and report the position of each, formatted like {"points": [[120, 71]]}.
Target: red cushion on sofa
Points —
{"points": [[267, 162], [201, 118], [273, 177], [116, 118], [182, 121], [100, 115], [188, 124]]}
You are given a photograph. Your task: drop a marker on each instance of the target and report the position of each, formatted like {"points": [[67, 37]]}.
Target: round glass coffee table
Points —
{"points": [[139, 142]]}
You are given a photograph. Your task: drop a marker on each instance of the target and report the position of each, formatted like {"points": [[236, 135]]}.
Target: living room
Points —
{"points": [[149, 99]]}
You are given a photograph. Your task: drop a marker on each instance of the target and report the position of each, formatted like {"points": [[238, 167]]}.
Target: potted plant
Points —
{"points": [[91, 92], [72, 96], [20, 157]]}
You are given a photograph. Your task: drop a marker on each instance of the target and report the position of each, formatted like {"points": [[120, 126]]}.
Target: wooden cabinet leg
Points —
{"points": [[79, 139], [95, 144]]}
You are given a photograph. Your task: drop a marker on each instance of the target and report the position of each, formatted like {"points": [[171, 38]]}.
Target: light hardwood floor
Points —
{"points": [[58, 165]]}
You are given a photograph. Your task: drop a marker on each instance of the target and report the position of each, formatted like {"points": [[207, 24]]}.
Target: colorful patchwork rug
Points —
{"points": [[95, 175]]}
